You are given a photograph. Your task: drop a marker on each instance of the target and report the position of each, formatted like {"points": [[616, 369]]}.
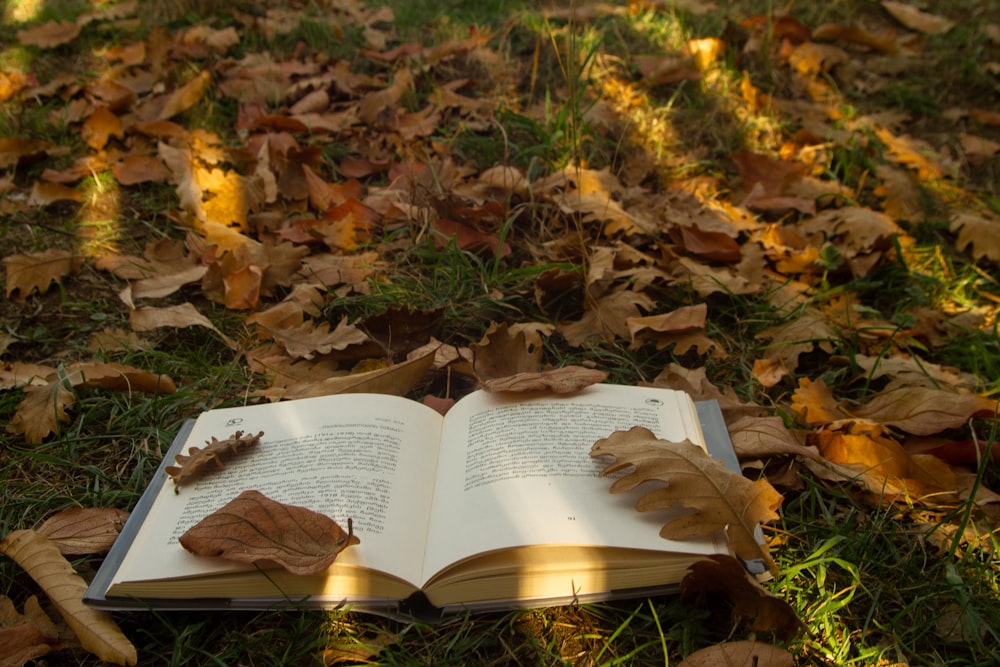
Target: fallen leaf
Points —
{"points": [[252, 528], [983, 234], [101, 125], [197, 461], [46, 194], [720, 498], [25, 637], [815, 404], [96, 630], [39, 270], [503, 352], [746, 653], [134, 169], [564, 380], [724, 574], [918, 20], [49, 34], [763, 437], [84, 530], [924, 411], [179, 316]]}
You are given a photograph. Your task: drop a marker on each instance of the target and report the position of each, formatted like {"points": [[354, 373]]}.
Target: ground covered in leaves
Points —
{"points": [[794, 214]]}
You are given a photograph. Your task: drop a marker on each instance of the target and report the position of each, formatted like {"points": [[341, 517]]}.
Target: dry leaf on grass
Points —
{"points": [[252, 528], [751, 601], [38, 270], [746, 653], [194, 464], [720, 498], [49, 34], [179, 316], [84, 530], [25, 637], [96, 630], [923, 411]]}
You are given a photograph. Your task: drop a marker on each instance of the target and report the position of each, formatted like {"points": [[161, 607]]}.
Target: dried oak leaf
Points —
{"points": [[751, 601], [49, 34], [84, 530], [194, 464], [924, 411], [96, 630], [503, 352], [252, 528], [720, 498], [38, 270]]}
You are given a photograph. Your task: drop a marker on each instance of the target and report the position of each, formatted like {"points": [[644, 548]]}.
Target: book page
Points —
{"points": [[517, 472], [365, 456]]}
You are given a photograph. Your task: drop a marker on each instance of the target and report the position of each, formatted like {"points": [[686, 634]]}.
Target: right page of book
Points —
{"points": [[517, 471]]}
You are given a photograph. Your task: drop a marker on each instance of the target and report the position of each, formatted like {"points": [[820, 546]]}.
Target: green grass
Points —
{"points": [[870, 580]]}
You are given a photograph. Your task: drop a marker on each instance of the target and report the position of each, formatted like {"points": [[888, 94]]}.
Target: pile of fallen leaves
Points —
{"points": [[278, 229]]}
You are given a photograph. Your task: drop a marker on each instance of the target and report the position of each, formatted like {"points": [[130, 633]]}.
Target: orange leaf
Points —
{"points": [[135, 169], [814, 403], [252, 528], [101, 125], [185, 97]]}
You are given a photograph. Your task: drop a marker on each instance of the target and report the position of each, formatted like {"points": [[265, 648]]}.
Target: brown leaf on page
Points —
{"points": [[199, 460], [565, 380], [252, 528], [84, 530], [96, 630], [725, 575], [720, 498]]}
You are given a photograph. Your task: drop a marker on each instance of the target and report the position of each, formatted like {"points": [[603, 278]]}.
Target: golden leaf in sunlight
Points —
{"points": [[814, 403], [96, 630], [721, 499], [49, 34], [31, 271], [84, 530]]}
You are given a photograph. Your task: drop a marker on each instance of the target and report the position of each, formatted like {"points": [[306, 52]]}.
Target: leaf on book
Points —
{"points": [[252, 528], [84, 530], [746, 653], [198, 460], [751, 601], [96, 630], [720, 498], [565, 380], [503, 352]]}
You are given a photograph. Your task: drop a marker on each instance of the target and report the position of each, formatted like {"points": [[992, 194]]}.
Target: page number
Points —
{"points": [[571, 518]]}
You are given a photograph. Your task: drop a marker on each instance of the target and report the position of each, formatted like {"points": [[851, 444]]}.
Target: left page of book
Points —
{"points": [[365, 456]]}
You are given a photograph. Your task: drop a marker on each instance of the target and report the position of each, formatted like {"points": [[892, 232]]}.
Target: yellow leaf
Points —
{"points": [[96, 630], [720, 498]]}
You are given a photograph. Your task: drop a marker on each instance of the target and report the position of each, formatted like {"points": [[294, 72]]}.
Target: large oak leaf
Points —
{"points": [[923, 411], [252, 528], [720, 498]]}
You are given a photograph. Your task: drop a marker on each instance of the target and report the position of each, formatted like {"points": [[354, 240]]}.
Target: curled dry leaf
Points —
{"points": [[720, 498], [96, 630], [252, 528], [565, 380], [751, 601], [84, 530], [194, 464]]}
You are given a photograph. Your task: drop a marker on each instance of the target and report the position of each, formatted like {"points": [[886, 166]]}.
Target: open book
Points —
{"points": [[496, 505]]}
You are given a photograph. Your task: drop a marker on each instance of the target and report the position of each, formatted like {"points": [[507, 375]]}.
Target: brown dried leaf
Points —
{"points": [[762, 437], [38, 270], [503, 352], [306, 340], [565, 380], [196, 462], [84, 530], [185, 97], [751, 601], [983, 234], [252, 528], [135, 169], [179, 316], [814, 403], [96, 630], [45, 194], [720, 498], [24, 637], [49, 34], [924, 411], [101, 125], [914, 19], [746, 653]]}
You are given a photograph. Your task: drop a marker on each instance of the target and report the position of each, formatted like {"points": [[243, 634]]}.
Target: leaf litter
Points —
{"points": [[267, 213]]}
